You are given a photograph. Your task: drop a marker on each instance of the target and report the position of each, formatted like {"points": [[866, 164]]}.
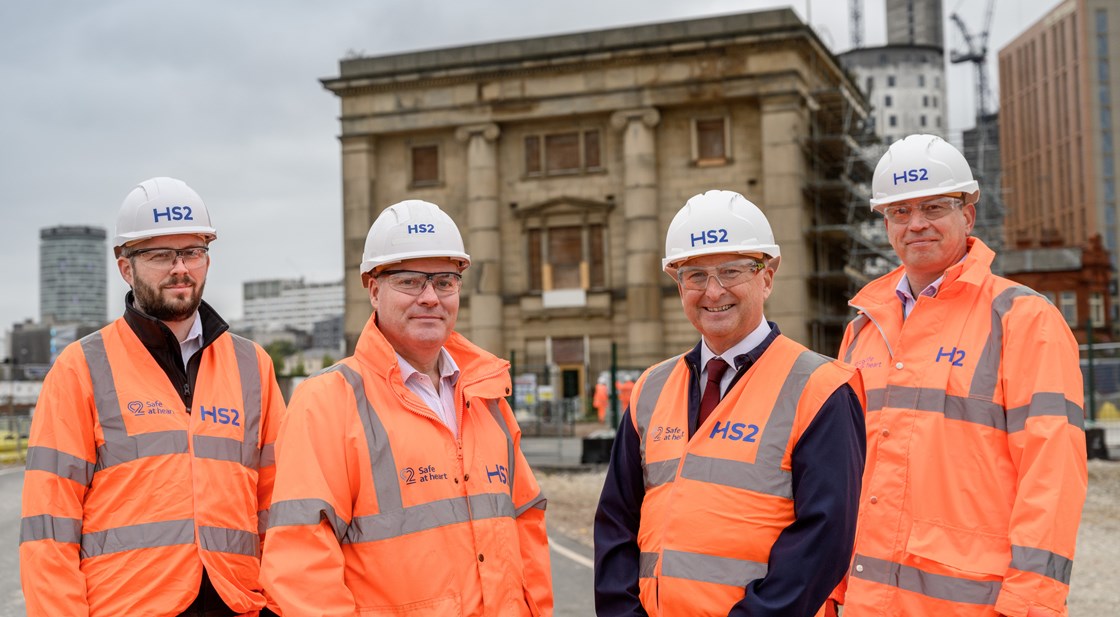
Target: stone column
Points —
{"points": [[784, 119], [644, 243], [483, 237], [359, 208]]}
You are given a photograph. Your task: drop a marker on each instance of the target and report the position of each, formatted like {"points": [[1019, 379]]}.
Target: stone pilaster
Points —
{"points": [[784, 119], [359, 208], [644, 243], [483, 237]]}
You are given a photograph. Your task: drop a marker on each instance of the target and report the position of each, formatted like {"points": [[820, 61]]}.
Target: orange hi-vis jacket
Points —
{"points": [[976, 462], [127, 496], [380, 510], [714, 505]]}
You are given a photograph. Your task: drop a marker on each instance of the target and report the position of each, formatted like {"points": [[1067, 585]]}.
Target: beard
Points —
{"points": [[150, 298]]}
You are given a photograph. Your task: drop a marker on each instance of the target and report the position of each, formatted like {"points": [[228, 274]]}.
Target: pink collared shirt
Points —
{"points": [[442, 402]]}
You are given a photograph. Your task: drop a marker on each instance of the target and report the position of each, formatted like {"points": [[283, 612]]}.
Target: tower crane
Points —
{"points": [[976, 53], [855, 22]]}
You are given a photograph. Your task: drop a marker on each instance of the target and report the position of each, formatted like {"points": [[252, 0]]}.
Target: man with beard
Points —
{"points": [[150, 462]]}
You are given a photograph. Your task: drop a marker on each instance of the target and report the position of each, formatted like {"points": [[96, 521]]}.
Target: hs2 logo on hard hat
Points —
{"points": [[220, 415], [709, 236], [421, 228], [173, 213], [911, 175]]}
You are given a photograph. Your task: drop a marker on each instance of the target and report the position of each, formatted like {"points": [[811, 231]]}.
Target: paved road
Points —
{"points": [[571, 562], [11, 598]]}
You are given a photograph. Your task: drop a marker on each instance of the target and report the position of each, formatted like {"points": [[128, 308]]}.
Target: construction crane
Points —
{"points": [[977, 53], [855, 22]]}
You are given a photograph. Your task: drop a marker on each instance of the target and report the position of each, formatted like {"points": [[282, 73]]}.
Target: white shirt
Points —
{"points": [[748, 343], [443, 402], [190, 345]]}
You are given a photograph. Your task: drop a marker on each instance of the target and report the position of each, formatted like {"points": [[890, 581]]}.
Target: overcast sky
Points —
{"points": [[98, 96]]}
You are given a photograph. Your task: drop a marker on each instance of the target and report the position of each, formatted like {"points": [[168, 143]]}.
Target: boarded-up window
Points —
{"points": [[561, 152], [535, 261], [595, 248], [710, 140], [425, 165], [532, 155], [565, 252], [591, 150], [570, 152]]}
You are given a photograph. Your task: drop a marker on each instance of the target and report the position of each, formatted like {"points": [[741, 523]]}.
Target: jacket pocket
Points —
{"points": [[965, 550], [443, 606]]}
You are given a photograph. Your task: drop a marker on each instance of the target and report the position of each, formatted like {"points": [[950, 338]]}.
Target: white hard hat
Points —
{"points": [[162, 207], [920, 166], [412, 229], [718, 222]]}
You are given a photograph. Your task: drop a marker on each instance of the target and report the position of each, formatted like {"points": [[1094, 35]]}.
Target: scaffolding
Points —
{"points": [[850, 246]]}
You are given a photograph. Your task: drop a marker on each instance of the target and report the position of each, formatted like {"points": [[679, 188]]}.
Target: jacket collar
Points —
{"points": [[158, 338], [969, 273], [482, 374]]}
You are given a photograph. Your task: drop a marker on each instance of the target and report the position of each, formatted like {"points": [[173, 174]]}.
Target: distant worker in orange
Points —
{"points": [[976, 457], [734, 479], [401, 488], [150, 463], [601, 400]]}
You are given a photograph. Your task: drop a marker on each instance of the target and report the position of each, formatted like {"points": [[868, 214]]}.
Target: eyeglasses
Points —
{"points": [[932, 209], [729, 274], [192, 257], [413, 283]]}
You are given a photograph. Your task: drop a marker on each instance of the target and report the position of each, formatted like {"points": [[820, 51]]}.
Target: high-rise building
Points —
{"points": [[72, 275], [906, 86], [564, 158], [981, 149], [279, 304], [1059, 109], [915, 22]]}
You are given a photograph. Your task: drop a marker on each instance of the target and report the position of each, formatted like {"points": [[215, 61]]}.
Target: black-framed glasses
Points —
{"points": [[932, 209], [728, 274], [159, 257], [412, 282]]}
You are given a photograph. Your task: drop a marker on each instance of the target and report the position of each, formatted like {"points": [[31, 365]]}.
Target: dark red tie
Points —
{"points": [[716, 367]]}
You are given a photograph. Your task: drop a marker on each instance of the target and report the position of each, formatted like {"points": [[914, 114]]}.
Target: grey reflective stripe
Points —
{"points": [[1046, 404], [268, 455], [857, 325], [306, 512], [938, 586], [765, 475], [646, 401], [40, 458], [218, 448], [223, 540], [47, 527], [119, 446], [539, 502], [986, 376], [647, 565], [427, 516], [262, 521], [385, 481], [249, 372], [661, 472], [711, 569], [496, 413], [133, 537], [1041, 562], [976, 411]]}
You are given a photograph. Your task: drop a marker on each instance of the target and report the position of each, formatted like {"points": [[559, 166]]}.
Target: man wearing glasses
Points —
{"points": [[734, 479], [149, 469], [401, 487], [976, 463]]}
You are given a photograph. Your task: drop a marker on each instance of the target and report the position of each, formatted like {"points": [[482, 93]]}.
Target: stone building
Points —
{"points": [[564, 158]]}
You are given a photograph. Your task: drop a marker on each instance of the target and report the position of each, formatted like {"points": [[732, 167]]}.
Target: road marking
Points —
{"points": [[570, 554], [4, 472]]}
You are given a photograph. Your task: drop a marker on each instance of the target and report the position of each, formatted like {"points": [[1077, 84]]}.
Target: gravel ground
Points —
{"points": [[1095, 588]]}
